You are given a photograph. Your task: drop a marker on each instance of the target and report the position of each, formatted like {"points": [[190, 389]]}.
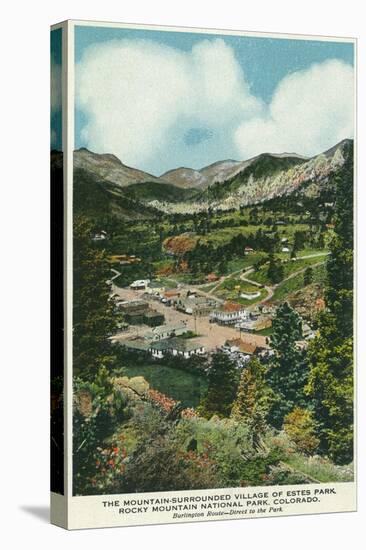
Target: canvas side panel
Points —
{"points": [[57, 446]]}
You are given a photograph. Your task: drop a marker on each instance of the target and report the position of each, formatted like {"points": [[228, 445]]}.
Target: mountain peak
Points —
{"points": [[83, 151], [110, 168]]}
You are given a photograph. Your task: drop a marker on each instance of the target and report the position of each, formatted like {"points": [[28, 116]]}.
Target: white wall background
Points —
{"points": [[24, 275]]}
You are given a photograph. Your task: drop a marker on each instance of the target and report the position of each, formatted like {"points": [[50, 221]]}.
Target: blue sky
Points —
{"points": [[195, 98]]}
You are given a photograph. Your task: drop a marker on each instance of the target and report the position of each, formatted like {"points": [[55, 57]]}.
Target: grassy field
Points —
{"points": [[223, 235], [297, 283], [289, 267], [245, 302], [243, 263], [299, 253], [176, 383], [265, 331], [310, 251], [292, 285], [234, 283], [167, 282], [231, 288]]}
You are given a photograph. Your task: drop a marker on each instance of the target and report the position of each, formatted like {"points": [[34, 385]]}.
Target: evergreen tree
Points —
{"points": [[299, 240], [94, 314], [275, 270], [222, 385], [331, 352], [308, 276], [287, 371], [252, 400], [300, 427]]}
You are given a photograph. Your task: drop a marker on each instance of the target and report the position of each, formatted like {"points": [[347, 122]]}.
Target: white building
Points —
{"points": [[140, 284], [166, 331], [177, 347], [250, 295], [229, 314]]}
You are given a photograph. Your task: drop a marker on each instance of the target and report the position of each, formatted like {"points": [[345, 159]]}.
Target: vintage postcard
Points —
{"points": [[203, 274]]}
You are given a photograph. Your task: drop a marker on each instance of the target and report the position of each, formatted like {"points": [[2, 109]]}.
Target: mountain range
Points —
{"points": [[217, 172], [109, 168], [103, 182]]}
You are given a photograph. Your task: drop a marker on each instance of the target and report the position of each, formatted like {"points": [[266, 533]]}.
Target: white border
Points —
{"points": [[227, 32]]}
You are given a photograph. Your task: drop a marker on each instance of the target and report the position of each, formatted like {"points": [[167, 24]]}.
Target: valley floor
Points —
{"points": [[211, 335]]}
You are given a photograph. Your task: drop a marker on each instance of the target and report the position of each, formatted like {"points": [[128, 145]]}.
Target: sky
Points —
{"points": [[164, 99]]}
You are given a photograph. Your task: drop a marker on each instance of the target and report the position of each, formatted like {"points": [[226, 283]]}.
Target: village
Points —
{"points": [[187, 321]]}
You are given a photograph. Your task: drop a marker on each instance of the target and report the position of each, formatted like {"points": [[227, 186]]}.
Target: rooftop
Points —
{"points": [[179, 344], [140, 282], [171, 293], [132, 303], [161, 329], [137, 344], [156, 284], [152, 313], [245, 347], [197, 301], [231, 306]]}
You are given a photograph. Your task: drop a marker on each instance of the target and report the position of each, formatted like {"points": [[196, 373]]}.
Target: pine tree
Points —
{"points": [[331, 387], [252, 400], [94, 315], [275, 270], [331, 353], [222, 385], [287, 372], [300, 427], [308, 276]]}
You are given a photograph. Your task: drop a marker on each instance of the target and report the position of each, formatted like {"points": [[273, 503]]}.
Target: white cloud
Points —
{"points": [[140, 97], [310, 111]]}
